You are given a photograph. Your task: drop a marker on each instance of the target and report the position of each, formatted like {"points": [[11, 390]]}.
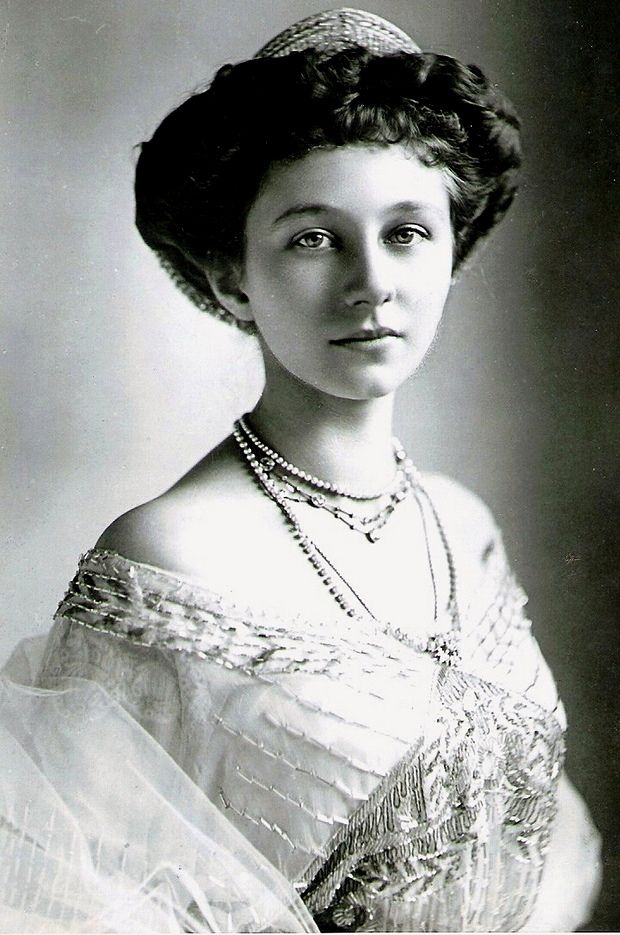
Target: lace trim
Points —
{"points": [[186, 593], [150, 608], [101, 591], [170, 620]]}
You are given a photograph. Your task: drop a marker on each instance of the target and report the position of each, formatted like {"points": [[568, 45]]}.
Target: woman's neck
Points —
{"points": [[345, 441]]}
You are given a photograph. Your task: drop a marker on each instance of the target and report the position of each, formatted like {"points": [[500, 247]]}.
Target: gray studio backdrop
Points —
{"points": [[114, 385]]}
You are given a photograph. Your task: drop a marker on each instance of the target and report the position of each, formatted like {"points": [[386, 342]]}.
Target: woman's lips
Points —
{"points": [[366, 335]]}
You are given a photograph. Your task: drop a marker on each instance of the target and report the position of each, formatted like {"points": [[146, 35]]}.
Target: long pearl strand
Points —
{"points": [[443, 646]]}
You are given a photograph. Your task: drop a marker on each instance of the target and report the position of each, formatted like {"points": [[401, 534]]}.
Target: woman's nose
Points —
{"points": [[369, 279]]}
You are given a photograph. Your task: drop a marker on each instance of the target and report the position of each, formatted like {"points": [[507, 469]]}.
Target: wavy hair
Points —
{"points": [[200, 173]]}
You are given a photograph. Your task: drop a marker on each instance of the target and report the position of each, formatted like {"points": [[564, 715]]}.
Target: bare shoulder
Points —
{"points": [[141, 534], [200, 523]]}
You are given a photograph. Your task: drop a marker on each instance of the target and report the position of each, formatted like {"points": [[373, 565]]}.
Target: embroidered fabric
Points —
{"points": [[392, 792]]}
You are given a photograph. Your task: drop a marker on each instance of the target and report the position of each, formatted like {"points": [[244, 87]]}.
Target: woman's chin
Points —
{"points": [[352, 378], [372, 382], [371, 386]]}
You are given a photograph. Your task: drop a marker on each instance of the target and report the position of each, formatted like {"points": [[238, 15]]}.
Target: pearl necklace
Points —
{"points": [[443, 646], [298, 485], [269, 455]]}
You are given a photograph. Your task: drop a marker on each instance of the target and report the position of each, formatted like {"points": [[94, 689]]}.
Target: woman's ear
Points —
{"points": [[225, 280]]}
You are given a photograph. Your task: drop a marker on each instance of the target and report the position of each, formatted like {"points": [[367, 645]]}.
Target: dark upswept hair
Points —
{"points": [[197, 177]]}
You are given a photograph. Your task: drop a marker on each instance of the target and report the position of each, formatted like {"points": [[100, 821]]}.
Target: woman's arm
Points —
{"points": [[572, 875]]}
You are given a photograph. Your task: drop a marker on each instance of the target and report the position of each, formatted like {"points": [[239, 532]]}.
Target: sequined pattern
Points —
{"points": [[418, 856]]}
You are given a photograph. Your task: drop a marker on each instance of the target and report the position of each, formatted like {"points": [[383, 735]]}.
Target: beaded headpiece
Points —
{"points": [[335, 30], [326, 33]]}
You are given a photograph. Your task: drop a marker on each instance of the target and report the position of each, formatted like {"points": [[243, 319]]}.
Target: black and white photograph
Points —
{"points": [[310, 497]]}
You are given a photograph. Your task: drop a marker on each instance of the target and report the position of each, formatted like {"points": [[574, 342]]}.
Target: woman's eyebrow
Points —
{"points": [[300, 210], [426, 206]]}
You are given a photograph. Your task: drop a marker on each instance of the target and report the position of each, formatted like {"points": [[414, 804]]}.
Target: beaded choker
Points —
{"points": [[261, 460]]}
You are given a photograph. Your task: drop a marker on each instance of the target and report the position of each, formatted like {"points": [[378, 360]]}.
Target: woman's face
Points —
{"points": [[347, 266]]}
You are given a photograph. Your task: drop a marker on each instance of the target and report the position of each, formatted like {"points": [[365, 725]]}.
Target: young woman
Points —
{"points": [[302, 677]]}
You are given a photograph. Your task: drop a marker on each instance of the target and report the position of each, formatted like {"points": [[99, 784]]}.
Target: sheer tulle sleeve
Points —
{"points": [[142, 679], [100, 828]]}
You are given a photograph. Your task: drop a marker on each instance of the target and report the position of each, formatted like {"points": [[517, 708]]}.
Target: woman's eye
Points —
{"points": [[407, 235], [313, 240]]}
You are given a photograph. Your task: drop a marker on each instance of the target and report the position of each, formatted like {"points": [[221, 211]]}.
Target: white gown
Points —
{"points": [[204, 767]]}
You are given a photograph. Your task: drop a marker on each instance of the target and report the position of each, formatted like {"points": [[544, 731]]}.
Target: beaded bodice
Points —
{"points": [[393, 791]]}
